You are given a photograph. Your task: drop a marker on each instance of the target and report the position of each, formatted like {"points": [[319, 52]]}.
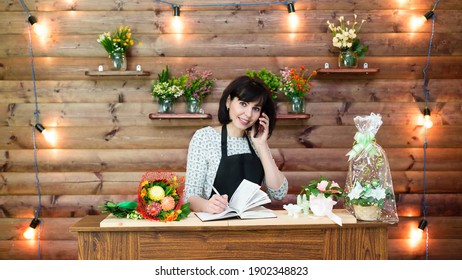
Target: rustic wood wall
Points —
{"points": [[106, 140]]}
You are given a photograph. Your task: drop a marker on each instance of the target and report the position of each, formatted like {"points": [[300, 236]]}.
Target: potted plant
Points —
{"points": [[295, 84], [166, 89], [272, 81], [367, 198]]}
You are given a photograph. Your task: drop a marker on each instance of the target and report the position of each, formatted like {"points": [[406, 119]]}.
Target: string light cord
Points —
{"points": [[226, 4], [36, 115], [426, 92]]}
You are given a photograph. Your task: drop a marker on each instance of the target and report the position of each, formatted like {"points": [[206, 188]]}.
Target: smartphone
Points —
{"points": [[257, 127]]}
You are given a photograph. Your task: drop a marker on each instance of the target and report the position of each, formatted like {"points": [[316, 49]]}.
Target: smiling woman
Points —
{"points": [[221, 157]]}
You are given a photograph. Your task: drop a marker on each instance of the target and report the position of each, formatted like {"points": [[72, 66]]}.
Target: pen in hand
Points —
{"points": [[216, 191]]}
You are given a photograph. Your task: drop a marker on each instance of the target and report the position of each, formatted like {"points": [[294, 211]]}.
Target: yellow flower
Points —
{"points": [[156, 193], [144, 183]]}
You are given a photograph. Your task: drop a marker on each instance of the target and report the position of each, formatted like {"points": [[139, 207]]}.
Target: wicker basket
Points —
{"points": [[367, 213]]}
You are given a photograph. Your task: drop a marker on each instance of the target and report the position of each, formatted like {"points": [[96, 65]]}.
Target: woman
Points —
{"points": [[225, 155]]}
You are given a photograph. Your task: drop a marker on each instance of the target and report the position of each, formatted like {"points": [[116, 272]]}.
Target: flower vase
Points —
{"points": [[367, 213], [348, 59], [119, 61], [297, 105], [321, 205], [193, 105], [165, 105]]}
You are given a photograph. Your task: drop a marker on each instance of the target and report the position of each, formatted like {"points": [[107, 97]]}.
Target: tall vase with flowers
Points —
{"points": [[345, 37], [295, 84], [166, 89], [196, 86], [116, 45]]}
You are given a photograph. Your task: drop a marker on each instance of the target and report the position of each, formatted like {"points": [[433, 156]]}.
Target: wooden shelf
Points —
{"points": [[293, 116], [117, 73], [349, 70], [158, 116]]}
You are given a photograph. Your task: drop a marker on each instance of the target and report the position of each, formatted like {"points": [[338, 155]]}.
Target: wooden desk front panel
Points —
{"points": [[233, 244]]}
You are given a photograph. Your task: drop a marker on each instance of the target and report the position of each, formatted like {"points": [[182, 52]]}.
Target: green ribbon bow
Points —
{"points": [[364, 142]]}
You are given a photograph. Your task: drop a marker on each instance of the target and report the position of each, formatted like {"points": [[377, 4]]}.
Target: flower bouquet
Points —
{"points": [[166, 89], [322, 195], [196, 86], [344, 37], [295, 85], [160, 198], [116, 45], [271, 80]]}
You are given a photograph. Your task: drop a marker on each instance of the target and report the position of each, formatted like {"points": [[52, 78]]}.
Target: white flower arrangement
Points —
{"points": [[368, 193], [344, 36]]}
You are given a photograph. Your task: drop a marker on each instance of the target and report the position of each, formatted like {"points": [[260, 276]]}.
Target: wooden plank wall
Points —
{"points": [[106, 140]]}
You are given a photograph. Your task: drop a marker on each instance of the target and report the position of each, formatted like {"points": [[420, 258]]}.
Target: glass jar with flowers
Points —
{"points": [[295, 85], [345, 38], [116, 44], [196, 86], [271, 80], [166, 89], [322, 195]]}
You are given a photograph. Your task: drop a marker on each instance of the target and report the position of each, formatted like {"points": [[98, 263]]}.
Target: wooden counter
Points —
{"points": [[105, 238]]}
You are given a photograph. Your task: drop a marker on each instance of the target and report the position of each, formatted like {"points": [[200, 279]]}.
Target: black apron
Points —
{"points": [[233, 169]]}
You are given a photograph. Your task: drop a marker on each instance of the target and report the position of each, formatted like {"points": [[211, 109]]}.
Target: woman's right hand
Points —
{"points": [[216, 204]]}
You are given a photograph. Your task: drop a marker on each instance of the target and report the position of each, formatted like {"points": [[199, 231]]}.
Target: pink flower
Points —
{"points": [[334, 184], [322, 185]]}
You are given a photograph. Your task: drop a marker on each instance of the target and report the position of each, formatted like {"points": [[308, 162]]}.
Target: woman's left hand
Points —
{"points": [[262, 135]]}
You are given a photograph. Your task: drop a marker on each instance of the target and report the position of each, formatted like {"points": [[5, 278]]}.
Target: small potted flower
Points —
{"points": [[345, 38], [295, 84], [116, 44], [322, 195], [166, 89], [367, 199], [271, 80], [196, 86]]}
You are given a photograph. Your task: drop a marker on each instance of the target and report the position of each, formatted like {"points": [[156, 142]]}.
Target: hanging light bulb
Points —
{"points": [[176, 11], [177, 23], [29, 233], [423, 224], [419, 21], [427, 119], [291, 7], [293, 18], [38, 28], [50, 136]]}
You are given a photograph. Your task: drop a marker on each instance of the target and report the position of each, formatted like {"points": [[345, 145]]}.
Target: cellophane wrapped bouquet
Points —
{"points": [[369, 191]]}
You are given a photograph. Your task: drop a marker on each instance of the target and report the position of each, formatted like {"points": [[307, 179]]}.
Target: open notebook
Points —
{"points": [[246, 203]]}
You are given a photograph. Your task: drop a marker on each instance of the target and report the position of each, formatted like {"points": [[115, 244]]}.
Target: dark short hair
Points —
{"points": [[249, 90]]}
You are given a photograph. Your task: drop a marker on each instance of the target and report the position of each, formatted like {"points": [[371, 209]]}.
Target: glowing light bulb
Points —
{"points": [[427, 120], [177, 24], [293, 21], [50, 135], [29, 233], [417, 22]]}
